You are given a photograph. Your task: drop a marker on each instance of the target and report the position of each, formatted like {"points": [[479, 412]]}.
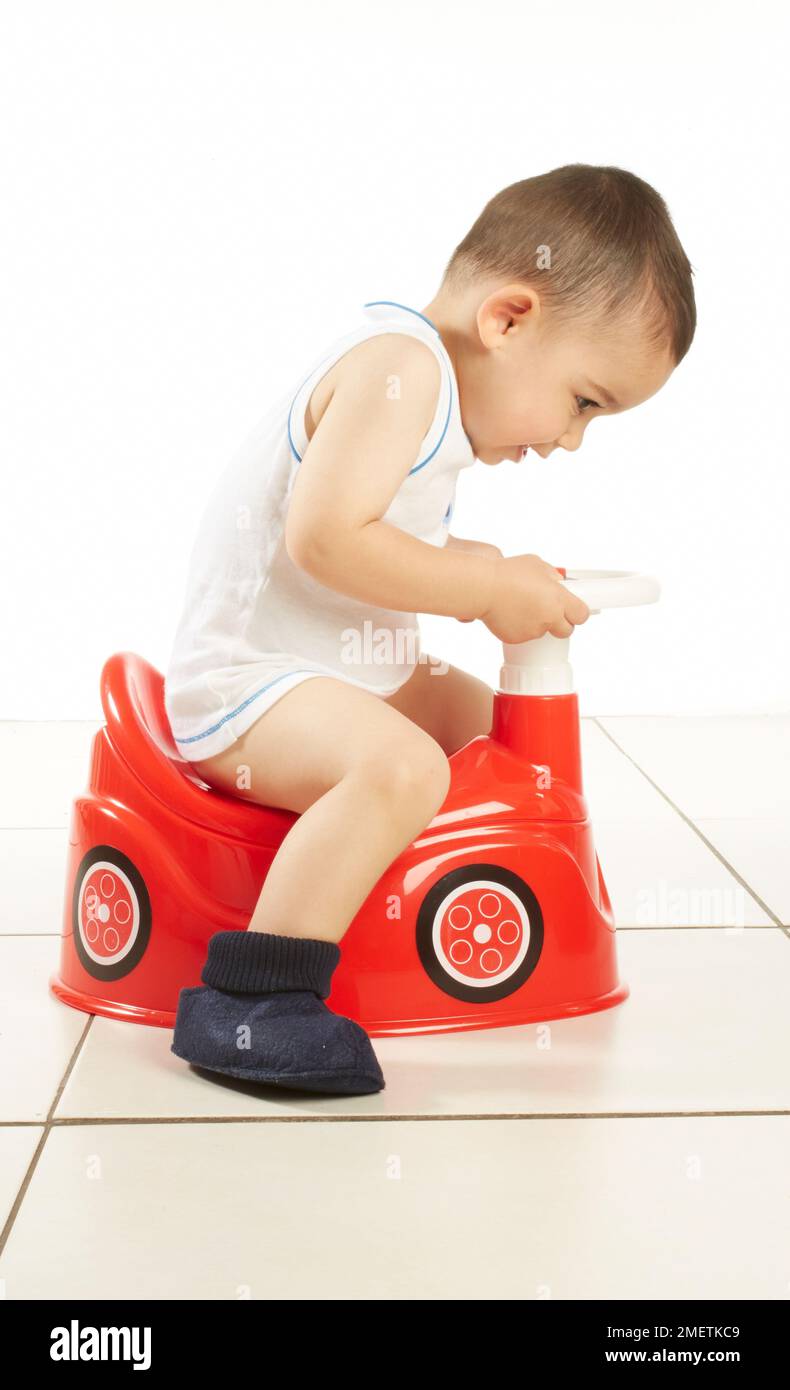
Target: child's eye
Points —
{"points": [[583, 407]]}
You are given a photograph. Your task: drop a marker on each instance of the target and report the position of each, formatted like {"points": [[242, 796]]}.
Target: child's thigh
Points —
{"points": [[449, 704], [312, 737]]}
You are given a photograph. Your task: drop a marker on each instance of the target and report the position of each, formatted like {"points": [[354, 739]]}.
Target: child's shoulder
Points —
{"points": [[392, 361]]}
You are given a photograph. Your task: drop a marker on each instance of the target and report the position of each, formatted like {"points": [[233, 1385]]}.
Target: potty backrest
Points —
{"points": [[132, 695]]}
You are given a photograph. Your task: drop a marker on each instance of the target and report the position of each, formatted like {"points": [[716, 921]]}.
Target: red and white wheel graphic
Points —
{"points": [[111, 913], [480, 932]]}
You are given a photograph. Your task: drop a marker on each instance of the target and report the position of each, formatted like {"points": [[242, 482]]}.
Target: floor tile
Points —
{"points": [[705, 1028], [38, 1034], [660, 873], [17, 1147], [759, 850], [714, 767], [32, 881], [685, 1208], [45, 765], [614, 789]]}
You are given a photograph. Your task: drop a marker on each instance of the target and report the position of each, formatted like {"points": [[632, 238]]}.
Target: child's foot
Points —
{"points": [[260, 1016]]}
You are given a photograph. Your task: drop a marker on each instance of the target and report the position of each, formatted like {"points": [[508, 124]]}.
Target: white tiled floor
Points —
{"points": [[639, 1152]]}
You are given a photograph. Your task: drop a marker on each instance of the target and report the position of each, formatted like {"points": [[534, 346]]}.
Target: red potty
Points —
{"points": [[497, 914]]}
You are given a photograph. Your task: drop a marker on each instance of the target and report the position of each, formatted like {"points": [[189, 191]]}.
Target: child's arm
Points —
{"points": [[480, 547], [367, 439], [456, 543]]}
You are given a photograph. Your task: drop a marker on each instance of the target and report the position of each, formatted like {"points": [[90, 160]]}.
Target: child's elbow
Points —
{"points": [[325, 547], [309, 548], [300, 545]]}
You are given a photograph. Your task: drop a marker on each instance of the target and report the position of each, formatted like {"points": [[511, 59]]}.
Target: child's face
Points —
{"points": [[523, 382]]}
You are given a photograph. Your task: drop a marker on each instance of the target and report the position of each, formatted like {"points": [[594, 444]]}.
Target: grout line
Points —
{"points": [[634, 926], [699, 926], [49, 1124], [90, 1120], [690, 823]]}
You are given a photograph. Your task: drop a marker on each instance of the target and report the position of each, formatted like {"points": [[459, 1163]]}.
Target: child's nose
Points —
{"points": [[571, 439]]}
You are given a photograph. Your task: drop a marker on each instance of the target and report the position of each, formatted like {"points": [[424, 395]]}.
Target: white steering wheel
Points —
{"points": [[612, 588], [541, 666]]}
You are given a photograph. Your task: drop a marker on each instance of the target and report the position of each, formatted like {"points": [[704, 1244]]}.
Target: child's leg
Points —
{"points": [[451, 705], [366, 780]]}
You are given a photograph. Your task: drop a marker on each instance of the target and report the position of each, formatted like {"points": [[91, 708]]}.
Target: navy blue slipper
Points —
{"points": [[260, 1016]]}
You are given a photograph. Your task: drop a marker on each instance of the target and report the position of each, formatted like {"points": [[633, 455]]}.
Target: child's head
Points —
{"points": [[568, 286]]}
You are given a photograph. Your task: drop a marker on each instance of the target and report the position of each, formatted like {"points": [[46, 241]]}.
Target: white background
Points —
{"points": [[198, 196]]}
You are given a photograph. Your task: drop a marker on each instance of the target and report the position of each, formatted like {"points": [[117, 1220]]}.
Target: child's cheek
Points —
{"points": [[543, 426]]}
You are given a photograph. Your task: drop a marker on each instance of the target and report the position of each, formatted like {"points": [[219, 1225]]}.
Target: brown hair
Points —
{"points": [[595, 241]]}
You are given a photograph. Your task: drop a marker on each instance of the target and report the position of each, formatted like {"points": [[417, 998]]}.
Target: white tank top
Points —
{"points": [[249, 612]]}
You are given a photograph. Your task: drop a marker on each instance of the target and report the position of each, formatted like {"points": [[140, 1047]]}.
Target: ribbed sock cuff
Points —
{"points": [[256, 962]]}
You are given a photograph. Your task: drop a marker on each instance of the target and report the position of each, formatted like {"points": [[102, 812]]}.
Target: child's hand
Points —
{"points": [[529, 599]]}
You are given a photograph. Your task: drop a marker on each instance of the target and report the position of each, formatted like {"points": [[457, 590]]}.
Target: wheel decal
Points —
{"points": [[480, 932], [111, 913], [102, 883]]}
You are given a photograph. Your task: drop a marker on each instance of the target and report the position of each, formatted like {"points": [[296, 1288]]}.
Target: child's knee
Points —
{"points": [[413, 774]]}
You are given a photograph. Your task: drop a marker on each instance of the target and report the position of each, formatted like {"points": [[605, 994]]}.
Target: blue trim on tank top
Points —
{"points": [[371, 304], [194, 738]]}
